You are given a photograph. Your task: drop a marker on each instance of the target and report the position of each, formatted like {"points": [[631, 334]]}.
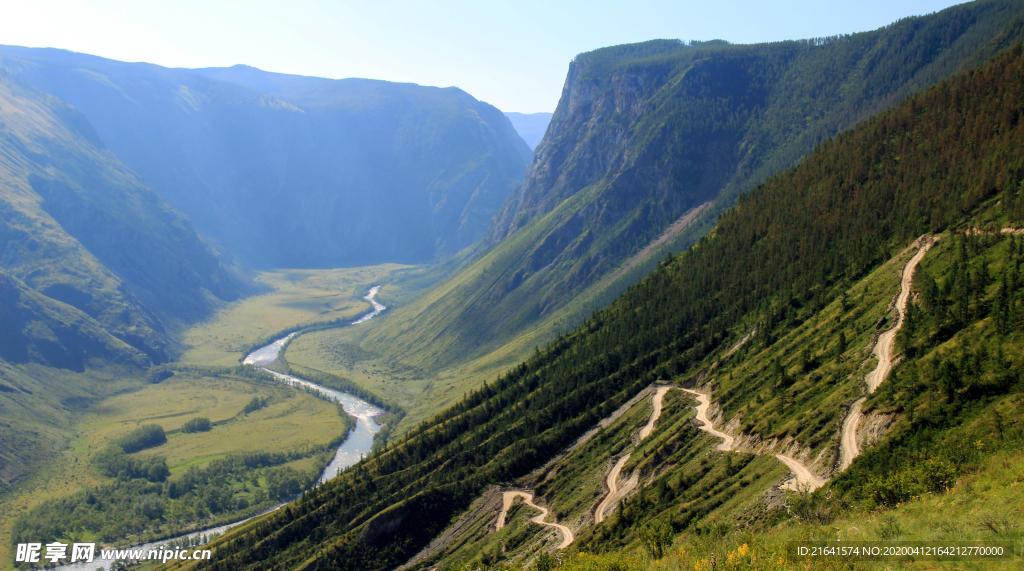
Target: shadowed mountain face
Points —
{"points": [[94, 264], [297, 171]]}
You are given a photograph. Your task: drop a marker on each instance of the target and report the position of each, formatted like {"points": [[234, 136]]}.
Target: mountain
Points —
{"points": [[648, 145], [83, 232], [530, 126], [775, 314], [290, 171], [96, 273]]}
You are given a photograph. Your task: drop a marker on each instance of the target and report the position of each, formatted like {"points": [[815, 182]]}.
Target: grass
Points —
{"points": [[986, 506], [292, 419], [296, 297]]}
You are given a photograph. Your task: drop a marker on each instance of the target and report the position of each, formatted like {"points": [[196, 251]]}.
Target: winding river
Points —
{"points": [[352, 450], [360, 440]]}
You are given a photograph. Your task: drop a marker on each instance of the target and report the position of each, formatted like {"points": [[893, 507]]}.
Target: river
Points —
{"points": [[352, 450]]}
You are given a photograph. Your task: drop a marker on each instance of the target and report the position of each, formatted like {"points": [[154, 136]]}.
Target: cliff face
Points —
{"points": [[651, 142], [680, 124]]}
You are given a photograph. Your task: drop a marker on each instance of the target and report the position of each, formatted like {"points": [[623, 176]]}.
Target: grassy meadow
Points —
{"points": [[294, 297], [291, 419]]}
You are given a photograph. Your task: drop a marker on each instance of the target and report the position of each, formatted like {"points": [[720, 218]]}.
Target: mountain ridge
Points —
{"points": [[80, 228], [416, 172]]}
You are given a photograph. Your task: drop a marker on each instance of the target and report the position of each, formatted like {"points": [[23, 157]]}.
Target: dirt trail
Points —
{"points": [[848, 443], [506, 502], [659, 396], [669, 233], [805, 480], [611, 481], [883, 351], [613, 490], [704, 403]]}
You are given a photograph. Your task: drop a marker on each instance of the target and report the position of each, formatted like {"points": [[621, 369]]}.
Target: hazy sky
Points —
{"points": [[513, 55]]}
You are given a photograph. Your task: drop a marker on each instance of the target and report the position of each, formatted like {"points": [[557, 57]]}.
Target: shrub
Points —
{"points": [[255, 404], [145, 436], [114, 463], [197, 424]]}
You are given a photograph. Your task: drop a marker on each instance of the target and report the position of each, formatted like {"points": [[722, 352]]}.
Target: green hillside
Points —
{"points": [[805, 257], [287, 171], [649, 144], [80, 228], [95, 272]]}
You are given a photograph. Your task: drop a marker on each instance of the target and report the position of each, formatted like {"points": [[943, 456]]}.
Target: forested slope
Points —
{"points": [[646, 134], [939, 162]]}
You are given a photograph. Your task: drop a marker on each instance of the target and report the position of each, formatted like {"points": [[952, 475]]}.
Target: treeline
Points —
{"points": [[115, 460], [145, 436], [792, 243], [198, 424], [227, 489]]}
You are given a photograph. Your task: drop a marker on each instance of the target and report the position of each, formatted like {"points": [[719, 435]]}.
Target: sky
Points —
{"points": [[513, 55]]}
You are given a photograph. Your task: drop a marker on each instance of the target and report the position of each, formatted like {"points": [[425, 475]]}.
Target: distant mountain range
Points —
{"points": [[290, 171], [134, 200], [530, 126]]}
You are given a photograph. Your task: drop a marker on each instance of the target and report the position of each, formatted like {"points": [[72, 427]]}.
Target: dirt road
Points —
{"points": [[648, 428], [506, 502], [704, 403], [611, 480], [805, 480], [883, 351], [848, 443]]}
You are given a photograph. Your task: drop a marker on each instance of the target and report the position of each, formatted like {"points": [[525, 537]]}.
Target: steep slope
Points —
{"points": [[95, 269], [813, 241], [648, 145], [290, 171], [38, 329], [79, 228]]}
